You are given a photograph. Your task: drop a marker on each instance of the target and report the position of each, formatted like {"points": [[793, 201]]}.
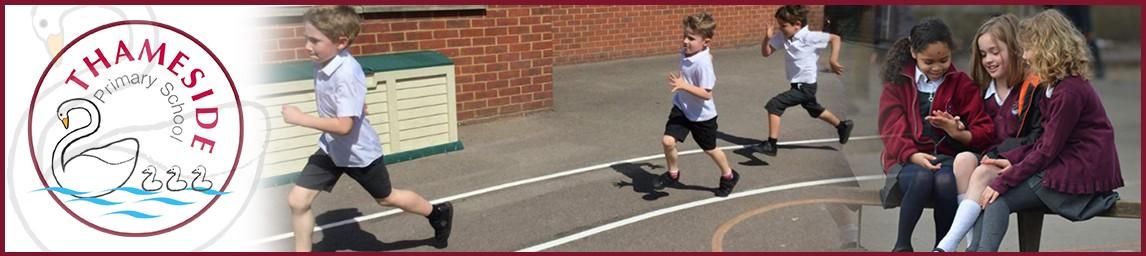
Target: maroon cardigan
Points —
{"points": [[1076, 150], [901, 127]]}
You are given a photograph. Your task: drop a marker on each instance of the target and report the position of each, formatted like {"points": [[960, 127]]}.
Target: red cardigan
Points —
{"points": [[901, 127], [1076, 150]]}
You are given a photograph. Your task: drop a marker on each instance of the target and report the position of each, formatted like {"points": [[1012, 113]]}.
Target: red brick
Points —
{"points": [[485, 59], [494, 67], [463, 78], [419, 35], [463, 97], [487, 94], [519, 47], [275, 56], [531, 88], [364, 39], [449, 52], [496, 31], [536, 37], [433, 24], [432, 44], [472, 87], [520, 81], [404, 46], [440, 34], [499, 101], [514, 108], [508, 39], [403, 26], [375, 27], [457, 23], [477, 23], [471, 105], [484, 41], [458, 42], [488, 112], [506, 22], [391, 37], [521, 98], [468, 51], [496, 49], [467, 115], [482, 77], [518, 12], [472, 32], [532, 20], [506, 75], [519, 65], [509, 91], [473, 69]]}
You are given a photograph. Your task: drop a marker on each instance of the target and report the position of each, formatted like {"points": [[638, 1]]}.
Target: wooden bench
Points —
{"points": [[410, 99], [1030, 222]]}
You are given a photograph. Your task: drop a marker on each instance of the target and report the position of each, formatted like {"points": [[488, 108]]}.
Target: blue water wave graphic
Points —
{"points": [[136, 191], [61, 190], [134, 214], [95, 201], [167, 201], [214, 192]]}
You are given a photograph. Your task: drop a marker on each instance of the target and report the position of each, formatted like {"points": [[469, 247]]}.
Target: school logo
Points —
{"points": [[135, 132]]}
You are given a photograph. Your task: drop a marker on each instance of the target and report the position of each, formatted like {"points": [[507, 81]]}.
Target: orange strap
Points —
{"points": [[1031, 82]]}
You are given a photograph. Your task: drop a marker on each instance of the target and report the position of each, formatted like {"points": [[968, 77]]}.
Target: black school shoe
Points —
{"points": [[443, 224], [766, 147], [727, 185], [845, 130], [666, 180]]}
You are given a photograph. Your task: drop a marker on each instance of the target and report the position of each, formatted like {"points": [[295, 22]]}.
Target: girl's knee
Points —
{"points": [[966, 157]]}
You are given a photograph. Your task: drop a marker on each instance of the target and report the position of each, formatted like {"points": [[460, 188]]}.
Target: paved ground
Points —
{"points": [[614, 111]]}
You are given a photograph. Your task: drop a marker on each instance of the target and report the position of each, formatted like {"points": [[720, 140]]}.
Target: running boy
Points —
{"points": [[693, 108], [348, 143], [801, 46]]}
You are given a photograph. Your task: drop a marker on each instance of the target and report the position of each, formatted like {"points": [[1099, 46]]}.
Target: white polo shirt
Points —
{"points": [[802, 53], [697, 70], [340, 91]]}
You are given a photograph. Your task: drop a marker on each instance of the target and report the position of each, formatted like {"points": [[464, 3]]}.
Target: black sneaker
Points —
{"points": [[443, 224], [727, 185], [845, 130], [666, 180], [766, 147]]}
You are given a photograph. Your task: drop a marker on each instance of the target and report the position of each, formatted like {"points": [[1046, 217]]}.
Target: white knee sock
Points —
{"points": [[964, 219]]}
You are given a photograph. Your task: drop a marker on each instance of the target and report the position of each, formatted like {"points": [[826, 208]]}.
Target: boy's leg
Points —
{"points": [[775, 108], [704, 133], [676, 130], [302, 220], [830, 118], [319, 174], [408, 201], [669, 145], [773, 126]]}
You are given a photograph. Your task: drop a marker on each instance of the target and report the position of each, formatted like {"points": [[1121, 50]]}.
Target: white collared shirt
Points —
{"points": [[802, 53], [697, 70], [340, 91], [924, 84], [991, 91]]}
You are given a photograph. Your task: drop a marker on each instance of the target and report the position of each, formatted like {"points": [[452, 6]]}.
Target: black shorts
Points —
{"points": [[320, 173], [802, 94], [704, 132]]}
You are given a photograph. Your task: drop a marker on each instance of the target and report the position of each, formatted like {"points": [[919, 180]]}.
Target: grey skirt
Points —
{"points": [[1074, 207]]}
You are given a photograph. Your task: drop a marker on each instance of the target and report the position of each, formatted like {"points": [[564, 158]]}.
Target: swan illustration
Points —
{"points": [[175, 183], [98, 170], [200, 182], [150, 183]]}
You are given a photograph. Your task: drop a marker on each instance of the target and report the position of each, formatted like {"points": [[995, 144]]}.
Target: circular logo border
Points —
{"points": [[238, 107]]}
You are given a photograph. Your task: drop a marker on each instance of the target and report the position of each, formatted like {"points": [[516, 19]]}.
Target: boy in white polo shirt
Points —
{"points": [[693, 108], [801, 46], [348, 145]]}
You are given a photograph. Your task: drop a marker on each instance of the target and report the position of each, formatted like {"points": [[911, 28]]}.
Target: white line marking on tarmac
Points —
{"points": [[537, 179], [663, 211]]}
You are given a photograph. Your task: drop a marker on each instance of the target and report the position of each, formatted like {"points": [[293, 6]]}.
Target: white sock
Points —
{"points": [[964, 219]]}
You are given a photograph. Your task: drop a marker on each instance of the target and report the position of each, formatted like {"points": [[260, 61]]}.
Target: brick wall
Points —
{"points": [[504, 55], [595, 33]]}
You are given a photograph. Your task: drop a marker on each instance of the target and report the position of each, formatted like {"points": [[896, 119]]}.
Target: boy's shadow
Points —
{"points": [[747, 152], [642, 180], [352, 237]]}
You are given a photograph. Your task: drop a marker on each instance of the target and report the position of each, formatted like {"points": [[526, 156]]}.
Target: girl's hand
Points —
{"points": [[943, 120], [1002, 163], [924, 159], [988, 197]]}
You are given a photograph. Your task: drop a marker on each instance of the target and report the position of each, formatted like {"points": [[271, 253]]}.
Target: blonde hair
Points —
{"points": [[1057, 49], [701, 23], [1004, 29], [335, 21]]}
